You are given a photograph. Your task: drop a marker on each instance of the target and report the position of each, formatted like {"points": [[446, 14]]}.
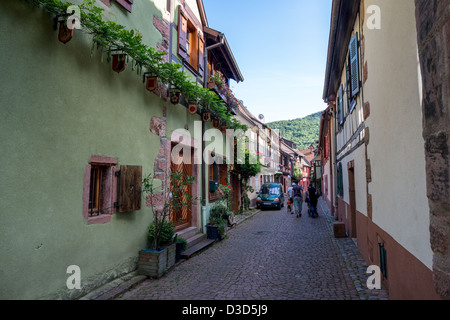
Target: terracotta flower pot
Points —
{"points": [[206, 116], [175, 97], [119, 62], [151, 83], [216, 123], [192, 108], [65, 34]]}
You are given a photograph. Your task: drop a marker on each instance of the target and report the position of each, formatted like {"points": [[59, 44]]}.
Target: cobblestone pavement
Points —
{"points": [[272, 256]]}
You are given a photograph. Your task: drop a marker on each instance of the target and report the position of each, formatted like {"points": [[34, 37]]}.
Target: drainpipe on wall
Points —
{"points": [[206, 208], [334, 155]]}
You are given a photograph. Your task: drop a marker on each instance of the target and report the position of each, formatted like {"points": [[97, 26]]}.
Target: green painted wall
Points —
{"points": [[59, 107]]}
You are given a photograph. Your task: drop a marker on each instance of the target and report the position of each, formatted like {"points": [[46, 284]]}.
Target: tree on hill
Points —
{"points": [[302, 131]]}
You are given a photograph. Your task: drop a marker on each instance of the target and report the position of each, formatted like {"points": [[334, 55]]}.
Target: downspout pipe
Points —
{"points": [[205, 85]]}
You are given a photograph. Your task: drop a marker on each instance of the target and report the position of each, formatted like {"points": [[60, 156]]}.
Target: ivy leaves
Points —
{"points": [[109, 36]]}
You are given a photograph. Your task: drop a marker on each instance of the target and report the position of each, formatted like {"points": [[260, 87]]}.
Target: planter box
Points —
{"points": [[213, 233], [179, 247], [156, 263]]}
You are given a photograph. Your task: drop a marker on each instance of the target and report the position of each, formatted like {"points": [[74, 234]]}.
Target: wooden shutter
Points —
{"points": [[130, 188], [354, 65], [126, 4], [223, 175], [340, 105], [201, 59], [182, 35]]}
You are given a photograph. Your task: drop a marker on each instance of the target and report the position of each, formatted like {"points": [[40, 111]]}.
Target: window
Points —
{"points": [[96, 188], [190, 43], [270, 190], [127, 4], [108, 190], [219, 173]]}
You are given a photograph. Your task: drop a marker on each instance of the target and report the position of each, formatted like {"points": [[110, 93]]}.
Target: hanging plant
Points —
{"points": [[151, 83], [110, 34], [119, 62], [206, 116], [223, 127], [192, 107], [175, 97], [65, 34], [216, 122]]}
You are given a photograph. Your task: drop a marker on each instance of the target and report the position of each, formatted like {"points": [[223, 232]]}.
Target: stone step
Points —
{"points": [[196, 248], [192, 241], [187, 233]]}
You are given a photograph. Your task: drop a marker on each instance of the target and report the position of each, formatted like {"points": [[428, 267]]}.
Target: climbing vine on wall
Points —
{"points": [[109, 36]]}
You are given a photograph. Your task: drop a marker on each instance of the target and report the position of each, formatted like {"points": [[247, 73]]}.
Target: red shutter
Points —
{"points": [[126, 4], [201, 59], [325, 147], [182, 35]]}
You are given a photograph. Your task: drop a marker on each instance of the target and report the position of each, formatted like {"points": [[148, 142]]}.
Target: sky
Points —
{"points": [[281, 50]]}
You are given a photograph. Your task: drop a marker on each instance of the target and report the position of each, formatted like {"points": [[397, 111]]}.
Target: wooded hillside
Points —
{"points": [[303, 131]]}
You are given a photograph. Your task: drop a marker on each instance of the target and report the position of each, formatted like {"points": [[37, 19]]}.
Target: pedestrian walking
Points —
{"points": [[298, 200], [290, 200], [312, 193]]}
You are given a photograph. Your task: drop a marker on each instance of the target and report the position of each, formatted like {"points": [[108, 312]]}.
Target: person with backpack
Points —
{"points": [[298, 199]]}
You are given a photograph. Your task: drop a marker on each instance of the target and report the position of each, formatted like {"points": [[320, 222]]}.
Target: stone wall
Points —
{"points": [[433, 28]]}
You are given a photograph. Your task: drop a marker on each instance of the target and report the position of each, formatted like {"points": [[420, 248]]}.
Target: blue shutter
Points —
{"points": [[341, 105], [354, 65]]}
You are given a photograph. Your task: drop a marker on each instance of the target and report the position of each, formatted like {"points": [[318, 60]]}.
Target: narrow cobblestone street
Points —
{"points": [[272, 256]]}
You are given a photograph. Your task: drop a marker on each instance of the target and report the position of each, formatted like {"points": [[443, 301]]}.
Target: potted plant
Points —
{"points": [[65, 34], [181, 245], [160, 255], [206, 115], [216, 122], [192, 107], [216, 227], [175, 97], [151, 83], [119, 62]]}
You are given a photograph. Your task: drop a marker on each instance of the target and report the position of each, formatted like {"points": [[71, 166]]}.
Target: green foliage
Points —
{"points": [[161, 230], [297, 174], [217, 218], [109, 36], [166, 233], [302, 131], [183, 241]]}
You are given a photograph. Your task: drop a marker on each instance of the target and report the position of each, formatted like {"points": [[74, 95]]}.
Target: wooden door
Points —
{"points": [[351, 192], [235, 195], [182, 216]]}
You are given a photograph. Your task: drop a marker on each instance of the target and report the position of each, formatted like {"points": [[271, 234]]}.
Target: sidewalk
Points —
{"points": [[356, 265]]}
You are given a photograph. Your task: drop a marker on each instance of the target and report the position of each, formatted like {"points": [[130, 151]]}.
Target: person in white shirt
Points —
{"points": [[291, 200]]}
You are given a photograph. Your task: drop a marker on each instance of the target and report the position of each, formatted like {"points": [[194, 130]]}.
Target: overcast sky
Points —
{"points": [[281, 50]]}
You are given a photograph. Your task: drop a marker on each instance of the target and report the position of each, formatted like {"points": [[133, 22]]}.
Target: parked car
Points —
{"points": [[270, 196]]}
